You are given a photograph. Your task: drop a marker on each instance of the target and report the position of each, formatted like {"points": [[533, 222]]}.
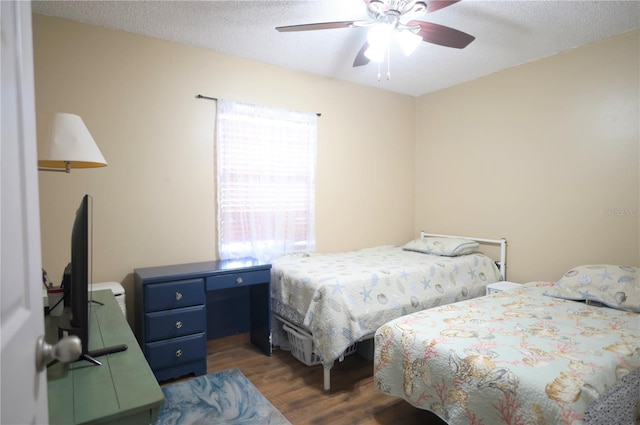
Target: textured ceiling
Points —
{"points": [[508, 33]]}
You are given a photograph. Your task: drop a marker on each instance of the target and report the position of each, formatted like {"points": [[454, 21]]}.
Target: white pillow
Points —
{"points": [[448, 247]]}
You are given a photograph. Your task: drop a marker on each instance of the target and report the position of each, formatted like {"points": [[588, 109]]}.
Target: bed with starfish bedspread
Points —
{"points": [[338, 299]]}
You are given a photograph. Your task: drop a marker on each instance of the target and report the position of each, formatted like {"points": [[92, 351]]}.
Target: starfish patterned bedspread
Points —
{"points": [[516, 357], [342, 297]]}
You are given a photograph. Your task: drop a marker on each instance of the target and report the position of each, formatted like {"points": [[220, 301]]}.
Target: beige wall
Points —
{"points": [[545, 154], [155, 202]]}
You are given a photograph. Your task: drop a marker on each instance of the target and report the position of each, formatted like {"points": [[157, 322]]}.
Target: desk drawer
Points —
{"points": [[176, 351], [174, 323], [176, 294], [238, 279]]}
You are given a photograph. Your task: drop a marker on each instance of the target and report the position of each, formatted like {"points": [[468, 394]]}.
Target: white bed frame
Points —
{"points": [[502, 263], [502, 266]]}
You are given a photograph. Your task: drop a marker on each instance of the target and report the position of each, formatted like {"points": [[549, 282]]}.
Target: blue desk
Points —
{"points": [[180, 307]]}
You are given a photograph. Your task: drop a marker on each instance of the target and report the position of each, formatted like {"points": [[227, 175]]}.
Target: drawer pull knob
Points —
{"points": [[178, 296], [178, 324], [239, 281], [178, 353]]}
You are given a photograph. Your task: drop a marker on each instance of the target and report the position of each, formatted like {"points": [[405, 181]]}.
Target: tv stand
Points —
{"points": [[90, 359], [121, 391], [91, 355]]}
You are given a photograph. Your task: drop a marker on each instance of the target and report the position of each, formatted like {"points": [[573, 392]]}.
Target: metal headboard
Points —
{"points": [[502, 264]]}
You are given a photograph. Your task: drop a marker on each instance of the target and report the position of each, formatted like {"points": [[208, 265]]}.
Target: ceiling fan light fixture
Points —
{"points": [[379, 35], [375, 54], [378, 38], [408, 40]]}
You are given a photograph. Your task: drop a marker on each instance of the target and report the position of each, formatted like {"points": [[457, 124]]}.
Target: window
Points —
{"points": [[265, 180]]}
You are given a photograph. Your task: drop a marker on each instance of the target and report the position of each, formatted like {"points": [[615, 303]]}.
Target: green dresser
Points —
{"points": [[121, 391]]}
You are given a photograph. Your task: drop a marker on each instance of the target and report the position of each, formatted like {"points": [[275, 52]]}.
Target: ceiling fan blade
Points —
{"points": [[434, 5], [317, 26], [443, 36], [361, 59]]}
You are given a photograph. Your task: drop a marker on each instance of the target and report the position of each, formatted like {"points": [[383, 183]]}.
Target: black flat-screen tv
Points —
{"points": [[81, 277], [81, 272]]}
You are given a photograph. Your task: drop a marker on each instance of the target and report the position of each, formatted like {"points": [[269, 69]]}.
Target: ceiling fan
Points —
{"points": [[395, 19]]}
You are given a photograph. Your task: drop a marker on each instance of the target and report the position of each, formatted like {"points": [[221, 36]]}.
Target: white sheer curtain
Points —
{"points": [[265, 180]]}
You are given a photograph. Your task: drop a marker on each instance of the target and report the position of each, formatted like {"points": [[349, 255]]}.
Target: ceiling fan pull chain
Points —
{"points": [[379, 77], [388, 64]]}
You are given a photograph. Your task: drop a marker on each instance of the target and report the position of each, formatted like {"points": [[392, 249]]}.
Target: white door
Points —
{"points": [[23, 390]]}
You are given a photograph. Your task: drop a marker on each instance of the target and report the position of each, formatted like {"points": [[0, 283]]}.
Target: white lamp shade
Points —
{"points": [[71, 143], [378, 39], [379, 36], [408, 41], [375, 54]]}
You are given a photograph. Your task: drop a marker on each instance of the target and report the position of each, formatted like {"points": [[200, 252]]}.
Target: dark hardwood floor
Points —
{"points": [[296, 389]]}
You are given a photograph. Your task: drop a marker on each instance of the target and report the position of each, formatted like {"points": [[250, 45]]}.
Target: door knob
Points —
{"points": [[67, 350]]}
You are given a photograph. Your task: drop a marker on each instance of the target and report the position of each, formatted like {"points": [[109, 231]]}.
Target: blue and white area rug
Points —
{"points": [[226, 397]]}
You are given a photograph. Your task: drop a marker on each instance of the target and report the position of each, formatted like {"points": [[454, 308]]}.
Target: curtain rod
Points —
{"points": [[199, 96]]}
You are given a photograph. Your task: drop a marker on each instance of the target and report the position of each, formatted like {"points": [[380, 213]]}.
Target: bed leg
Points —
{"points": [[327, 377]]}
